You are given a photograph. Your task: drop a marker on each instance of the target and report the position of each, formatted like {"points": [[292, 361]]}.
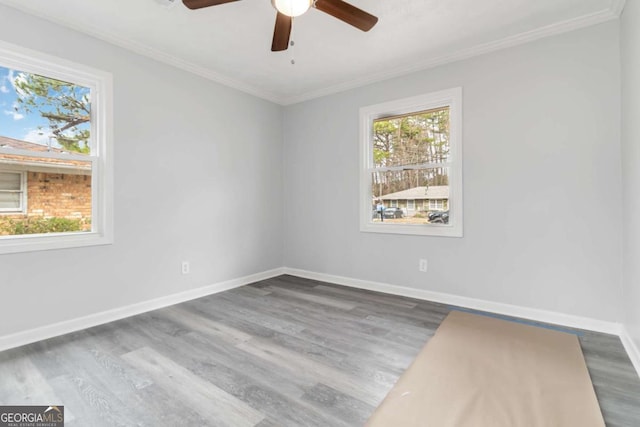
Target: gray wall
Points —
{"points": [[542, 193], [541, 175], [195, 165], [631, 165]]}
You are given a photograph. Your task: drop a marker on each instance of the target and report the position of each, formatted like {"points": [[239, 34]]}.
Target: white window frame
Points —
{"points": [[393, 203], [451, 98], [411, 204], [101, 158], [23, 195]]}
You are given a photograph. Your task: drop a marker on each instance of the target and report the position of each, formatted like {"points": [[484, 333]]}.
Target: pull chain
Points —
{"points": [[292, 49]]}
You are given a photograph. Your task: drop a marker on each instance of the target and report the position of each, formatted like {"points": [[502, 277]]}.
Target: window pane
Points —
{"points": [[10, 181], [9, 201], [413, 139], [411, 196], [44, 114], [387, 182], [59, 200]]}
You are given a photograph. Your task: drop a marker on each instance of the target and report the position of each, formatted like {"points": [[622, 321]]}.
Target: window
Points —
{"points": [[55, 153], [394, 203], [436, 205], [12, 192], [411, 149]]}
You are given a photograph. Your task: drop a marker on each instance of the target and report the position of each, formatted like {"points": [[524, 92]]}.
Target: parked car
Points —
{"points": [[393, 213], [438, 217]]}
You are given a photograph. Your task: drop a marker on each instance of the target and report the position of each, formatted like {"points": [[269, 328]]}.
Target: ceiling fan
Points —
{"points": [[288, 9]]}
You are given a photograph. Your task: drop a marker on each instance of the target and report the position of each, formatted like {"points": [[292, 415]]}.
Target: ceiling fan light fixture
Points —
{"points": [[292, 7]]}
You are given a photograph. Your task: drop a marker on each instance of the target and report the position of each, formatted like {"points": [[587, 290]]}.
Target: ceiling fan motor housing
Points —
{"points": [[288, 9], [292, 7]]}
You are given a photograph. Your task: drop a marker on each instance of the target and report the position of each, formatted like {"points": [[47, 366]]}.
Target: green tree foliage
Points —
{"points": [[65, 105], [408, 143]]}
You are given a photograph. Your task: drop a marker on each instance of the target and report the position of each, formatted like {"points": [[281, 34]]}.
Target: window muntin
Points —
{"points": [[67, 145], [411, 152]]}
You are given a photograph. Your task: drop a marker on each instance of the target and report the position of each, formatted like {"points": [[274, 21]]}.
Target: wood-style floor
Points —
{"points": [[281, 352]]}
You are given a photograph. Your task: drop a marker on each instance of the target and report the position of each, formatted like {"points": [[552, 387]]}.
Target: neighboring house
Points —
{"points": [[419, 199], [43, 187]]}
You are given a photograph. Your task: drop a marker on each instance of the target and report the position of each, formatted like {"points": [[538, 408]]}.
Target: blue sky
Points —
{"points": [[19, 124]]}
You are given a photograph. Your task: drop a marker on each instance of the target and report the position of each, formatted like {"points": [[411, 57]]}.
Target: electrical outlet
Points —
{"points": [[422, 265], [185, 267]]}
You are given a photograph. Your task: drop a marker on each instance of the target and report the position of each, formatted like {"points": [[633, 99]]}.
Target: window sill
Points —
{"points": [[44, 242], [440, 230]]}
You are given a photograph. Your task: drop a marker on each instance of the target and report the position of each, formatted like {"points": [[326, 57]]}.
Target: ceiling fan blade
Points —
{"points": [[347, 13], [199, 4], [281, 33]]}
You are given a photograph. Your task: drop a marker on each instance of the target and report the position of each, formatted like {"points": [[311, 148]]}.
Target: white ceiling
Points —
{"points": [[231, 43]]}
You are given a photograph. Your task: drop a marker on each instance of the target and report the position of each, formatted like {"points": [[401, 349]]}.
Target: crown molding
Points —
{"points": [[613, 12], [152, 53], [539, 33]]}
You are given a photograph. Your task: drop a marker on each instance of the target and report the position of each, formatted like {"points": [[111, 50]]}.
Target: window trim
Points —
{"points": [[101, 85], [23, 194], [449, 97]]}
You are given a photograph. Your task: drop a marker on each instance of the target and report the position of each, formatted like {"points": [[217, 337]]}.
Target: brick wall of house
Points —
{"points": [[55, 195], [58, 195]]}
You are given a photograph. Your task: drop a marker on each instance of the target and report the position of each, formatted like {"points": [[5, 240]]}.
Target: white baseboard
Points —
{"points": [[473, 303], [33, 335], [27, 337], [631, 348]]}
